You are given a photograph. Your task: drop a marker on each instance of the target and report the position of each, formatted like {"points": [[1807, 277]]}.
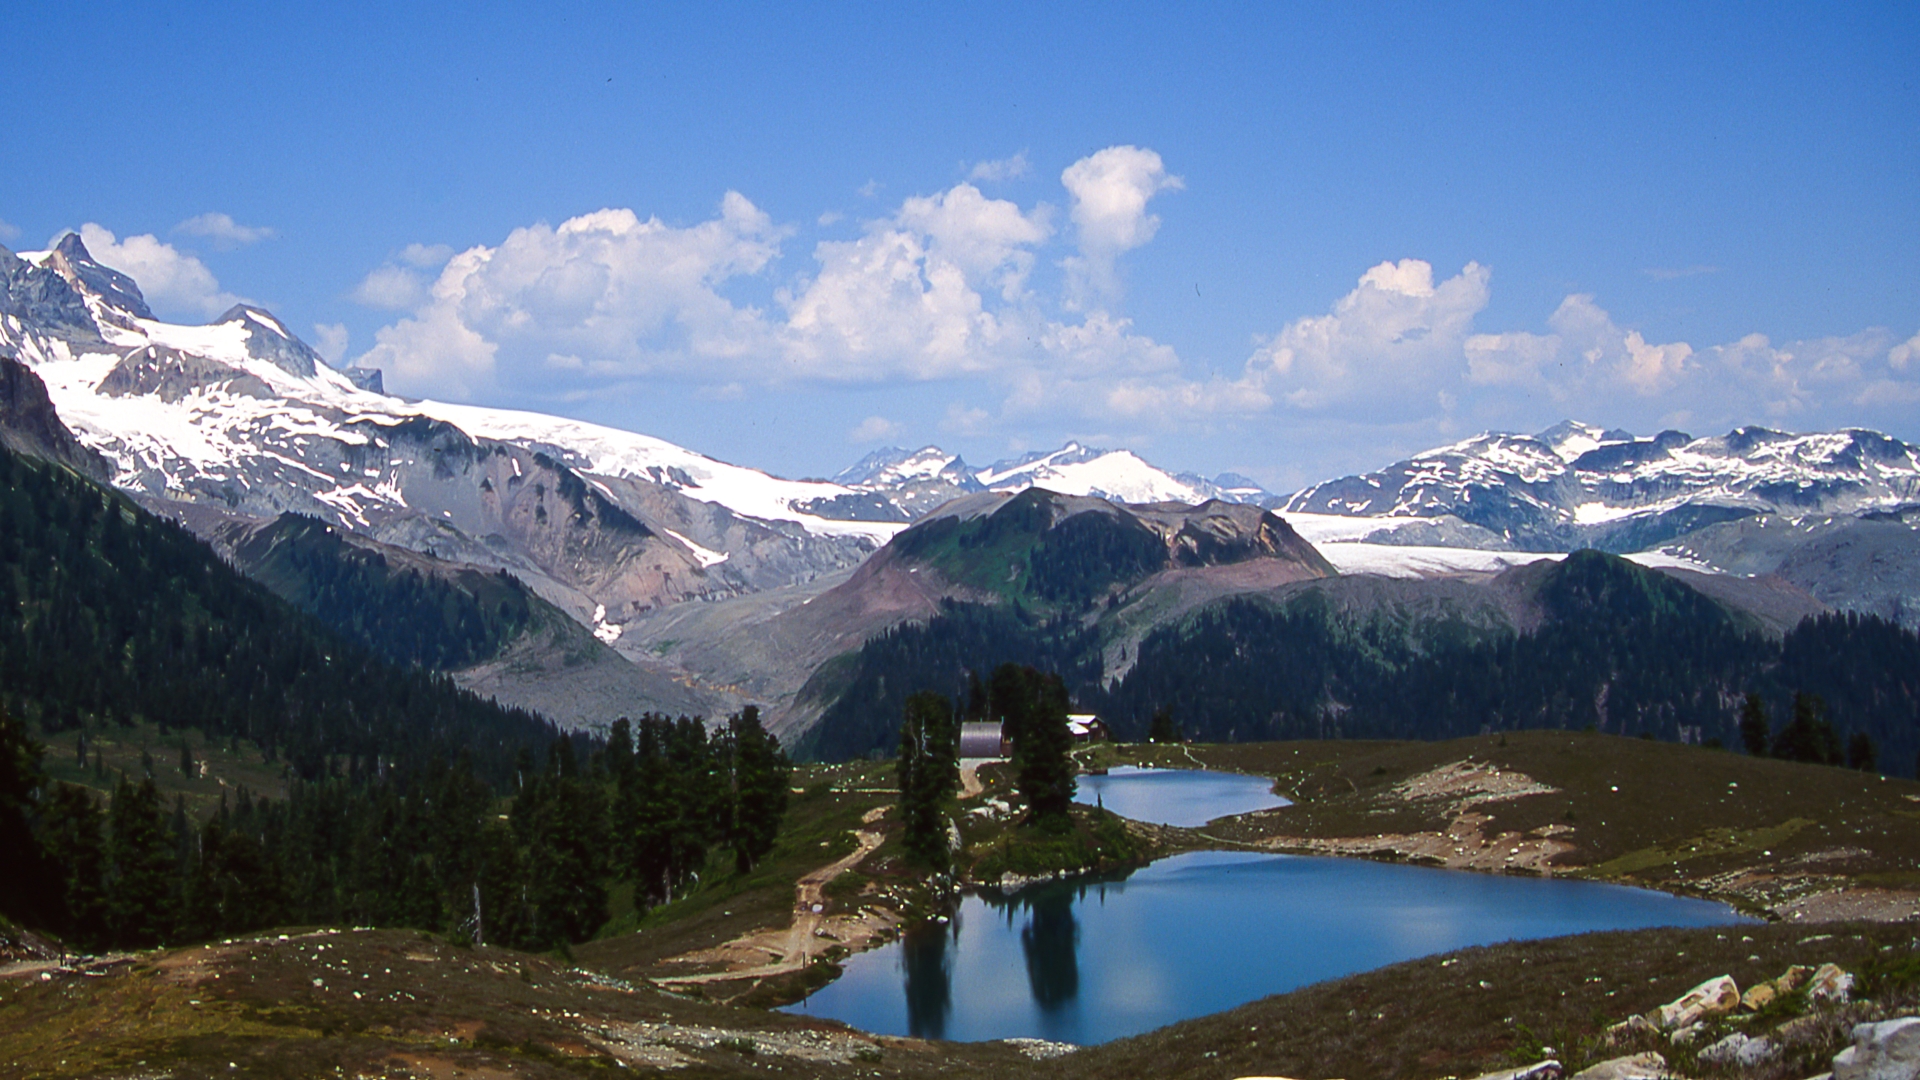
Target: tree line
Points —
{"points": [[434, 847]]}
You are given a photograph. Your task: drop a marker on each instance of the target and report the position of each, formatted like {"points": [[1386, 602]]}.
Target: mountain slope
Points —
{"points": [[109, 614]]}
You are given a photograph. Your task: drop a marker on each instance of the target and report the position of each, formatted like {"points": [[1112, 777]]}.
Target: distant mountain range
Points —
{"points": [[695, 570]]}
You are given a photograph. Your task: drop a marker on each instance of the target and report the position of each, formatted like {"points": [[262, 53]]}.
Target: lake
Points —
{"points": [[1100, 958], [1188, 797]]}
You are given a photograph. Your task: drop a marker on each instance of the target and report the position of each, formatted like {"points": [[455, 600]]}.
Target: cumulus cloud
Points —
{"points": [[874, 429], [1389, 345], [965, 420], [1004, 169], [1109, 191], [9, 232], [938, 288], [1586, 347], [330, 341], [225, 233], [1904, 353], [618, 294], [426, 256], [391, 288], [174, 282], [906, 299]]}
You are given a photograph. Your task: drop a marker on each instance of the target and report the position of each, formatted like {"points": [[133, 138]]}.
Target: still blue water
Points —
{"points": [[1187, 797], [1092, 960]]}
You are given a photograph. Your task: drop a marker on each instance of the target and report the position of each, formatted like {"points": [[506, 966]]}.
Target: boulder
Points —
{"points": [[1629, 1028], [1539, 1070], [1740, 1049], [1889, 1050], [1711, 998], [1757, 997], [1829, 983], [1647, 1066]]}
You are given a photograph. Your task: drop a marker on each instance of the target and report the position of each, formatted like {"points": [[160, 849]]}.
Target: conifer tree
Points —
{"points": [[1034, 707], [566, 860], [143, 863], [929, 772], [75, 849], [1809, 736], [1755, 730], [23, 885], [1862, 754], [760, 773]]}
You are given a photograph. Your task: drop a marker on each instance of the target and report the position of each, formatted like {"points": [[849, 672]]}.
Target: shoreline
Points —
{"points": [[1463, 792]]}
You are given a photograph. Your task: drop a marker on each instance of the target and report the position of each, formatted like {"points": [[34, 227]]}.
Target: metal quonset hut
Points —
{"points": [[982, 740]]}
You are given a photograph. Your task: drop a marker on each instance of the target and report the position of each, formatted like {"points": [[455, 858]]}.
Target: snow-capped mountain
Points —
{"points": [[1577, 485], [919, 481], [241, 415]]}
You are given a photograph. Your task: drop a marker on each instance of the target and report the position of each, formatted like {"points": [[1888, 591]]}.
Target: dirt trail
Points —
{"points": [[970, 785], [809, 935]]}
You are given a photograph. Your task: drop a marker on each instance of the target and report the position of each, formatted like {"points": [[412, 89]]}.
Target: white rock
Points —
{"points": [[1739, 1049], [1829, 983], [1647, 1066], [1539, 1070], [1889, 1050], [1711, 998]]}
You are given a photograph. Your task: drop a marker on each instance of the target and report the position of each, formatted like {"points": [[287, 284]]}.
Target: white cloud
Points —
{"points": [[225, 232], [172, 281], [330, 341], [905, 300], [391, 288], [1904, 353], [9, 232], [1387, 346], [621, 295], [426, 256], [1004, 169], [1109, 191], [874, 429], [965, 420]]}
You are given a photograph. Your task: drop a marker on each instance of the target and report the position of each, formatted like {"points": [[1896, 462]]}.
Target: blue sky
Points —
{"points": [[1286, 241]]}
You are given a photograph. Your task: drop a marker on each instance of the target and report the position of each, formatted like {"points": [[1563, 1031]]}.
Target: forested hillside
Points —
{"points": [[411, 802], [394, 603], [109, 614], [1617, 647]]}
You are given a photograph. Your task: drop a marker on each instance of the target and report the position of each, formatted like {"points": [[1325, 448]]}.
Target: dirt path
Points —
{"points": [[970, 785], [809, 935]]}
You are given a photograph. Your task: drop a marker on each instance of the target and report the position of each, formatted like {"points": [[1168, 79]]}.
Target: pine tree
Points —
{"points": [[1163, 729], [73, 843], [1862, 754], [929, 771], [1034, 707], [1755, 730], [143, 863], [566, 859], [1809, 736], [24, 886], [760, 774]]}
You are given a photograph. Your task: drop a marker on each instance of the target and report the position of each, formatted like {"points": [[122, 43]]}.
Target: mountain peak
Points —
{"points": [[112, 290], [268, 339]]}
